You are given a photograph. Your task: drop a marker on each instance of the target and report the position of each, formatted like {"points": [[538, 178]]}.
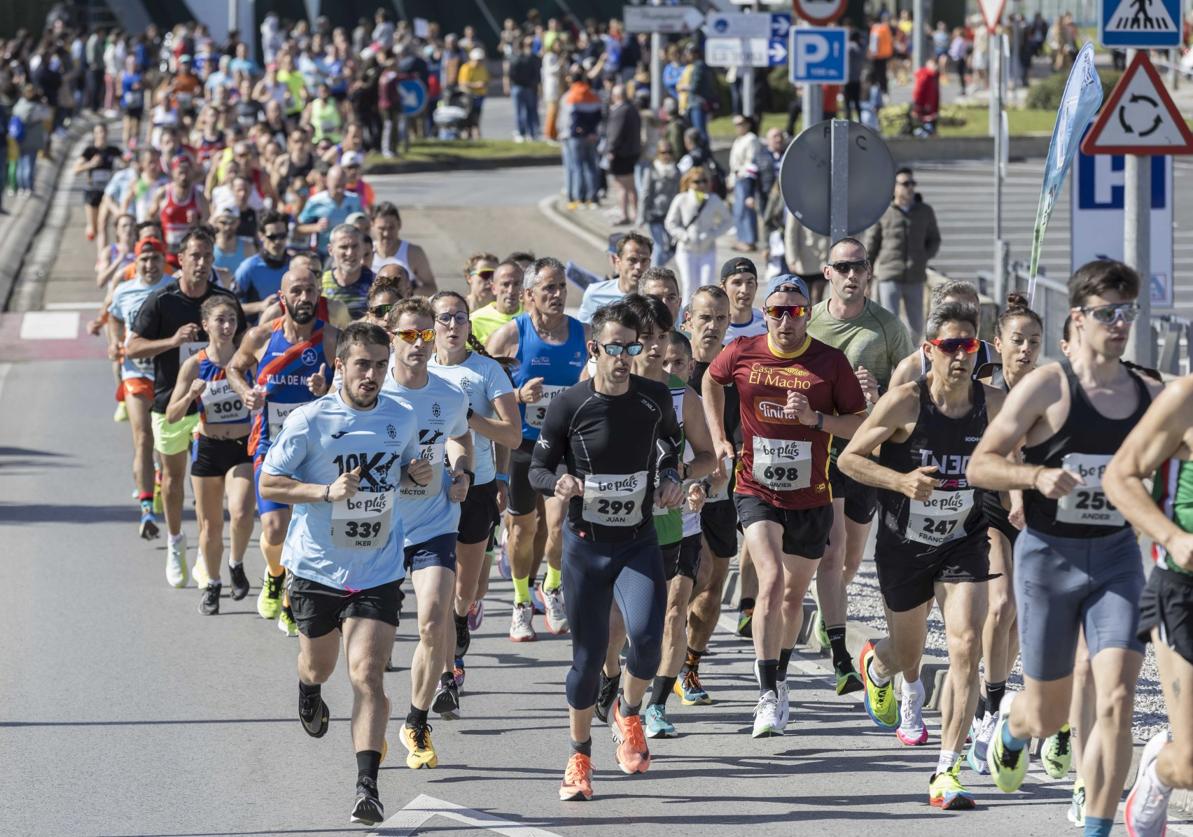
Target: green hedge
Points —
{"points": [[1045, 94]]}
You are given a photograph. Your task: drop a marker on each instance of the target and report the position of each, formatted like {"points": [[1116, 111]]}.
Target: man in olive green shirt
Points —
{"points": [[507, 303]]}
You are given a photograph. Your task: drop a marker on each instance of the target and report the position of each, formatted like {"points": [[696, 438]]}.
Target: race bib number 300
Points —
{"points": [[782, 464], [1087, 504], [363, 521], [536, 412], [614, 499], [940, 518], [221, 404]]}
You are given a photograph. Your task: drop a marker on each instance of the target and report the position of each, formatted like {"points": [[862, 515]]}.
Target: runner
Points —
{"points": [[630, 259], [617, 435], [349, 279], [739, 278], [1160, 446], [549, 347], [391, 248], [136, 390], [430, 512], [281, 365], [478, 277], [496, 428], [168, 328], [180, 204], [663, 285], [1018, 338], [98, 162], [1077, 560], [506, 304], [915, 365], [932, 541], [334, 463], [874, 340], [220, 460], [795, 393]]}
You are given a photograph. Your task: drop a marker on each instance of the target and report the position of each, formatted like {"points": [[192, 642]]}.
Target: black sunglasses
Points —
{"points": [[845, 266], [275, 236]]}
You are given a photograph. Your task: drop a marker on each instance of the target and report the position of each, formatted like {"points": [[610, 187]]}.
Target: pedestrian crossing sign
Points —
{"points": [[1143, 24]]}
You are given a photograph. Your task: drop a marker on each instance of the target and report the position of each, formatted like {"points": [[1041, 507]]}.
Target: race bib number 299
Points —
{"points": [[614, 499]]}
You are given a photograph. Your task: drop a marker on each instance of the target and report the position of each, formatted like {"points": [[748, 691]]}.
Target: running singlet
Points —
{"points": [[219, 403], [783, 462], [616, 445], [1173, 491], [1084, 445], [283, 373], [483, 380], [356, 543], [355, 296], [126, 302], [177, 218], [954, 511], [558, 366], [751, 328], [440, 412], [668, 523]]}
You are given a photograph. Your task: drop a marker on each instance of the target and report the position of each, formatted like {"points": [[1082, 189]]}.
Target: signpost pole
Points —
{"points": [[813, 105], [656, 67], [997, 66], [839, 180], [747, 76], [917, 39], [1137, 208]]}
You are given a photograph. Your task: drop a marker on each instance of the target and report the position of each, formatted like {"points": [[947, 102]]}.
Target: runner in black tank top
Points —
{"points": [[932, 537], [1077, 562]]}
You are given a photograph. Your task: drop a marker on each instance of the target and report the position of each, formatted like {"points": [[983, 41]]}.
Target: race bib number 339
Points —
{"points": [[1087, 503], [782, 464], [363, 521]]}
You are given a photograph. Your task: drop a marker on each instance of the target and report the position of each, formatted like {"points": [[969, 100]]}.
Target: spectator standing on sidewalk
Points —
{"points": [[696, 90], [660, 185], [925, 95], [29, 117], [552, 80], [745, 165], [474, 78], [900, 246], [856, 62], [959, 55], [881, 48], [525, 72], [580, 157], [696, 219], [623, 141]]}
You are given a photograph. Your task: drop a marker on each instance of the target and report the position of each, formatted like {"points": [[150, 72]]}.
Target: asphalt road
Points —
{"points": [[125, 712]]}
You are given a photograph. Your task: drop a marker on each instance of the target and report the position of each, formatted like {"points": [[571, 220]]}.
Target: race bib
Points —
{"points": [[436, 454], [275, 416], [363, 521], [536, 412], [1087, 504], [614, 499], [222, 405], [174, 236], [138, 367], [100, 177], [189, 350], [782, 464], [940, 518]]}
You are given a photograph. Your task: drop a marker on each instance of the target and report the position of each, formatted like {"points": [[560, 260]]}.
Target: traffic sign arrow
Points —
{"points": [[1139, 117], [777, 53], [410, 819], [667, 20]]}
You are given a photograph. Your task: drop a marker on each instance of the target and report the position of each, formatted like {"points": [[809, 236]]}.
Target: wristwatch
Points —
{"points": [[820, 421], [670, 474]]}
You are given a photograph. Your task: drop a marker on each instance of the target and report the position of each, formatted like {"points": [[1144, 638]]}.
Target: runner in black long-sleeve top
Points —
{"points": [[619, 439]]}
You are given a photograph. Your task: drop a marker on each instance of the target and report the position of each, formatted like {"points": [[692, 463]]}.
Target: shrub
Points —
{"points": [[1045, 94]]}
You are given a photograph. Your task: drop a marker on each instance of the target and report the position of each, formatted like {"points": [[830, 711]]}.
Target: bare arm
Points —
{"points": [[421, 265], [244, 362], [908, 370], [504, 341], [506, 428], [894, 411], [140, 347], [714, 415], [187, 388], [696, 433]]}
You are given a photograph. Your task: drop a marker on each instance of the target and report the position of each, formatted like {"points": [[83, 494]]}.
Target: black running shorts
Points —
{"points": [[805, 531], [998, 517], [522, 498], [319, 609], [1167, 605], [478, 513], [216, 457], [860, 499], [908, 572], [682, 558], [719, 522]]}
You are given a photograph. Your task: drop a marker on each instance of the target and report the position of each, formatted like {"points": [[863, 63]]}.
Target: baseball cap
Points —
{"points": [[356, 216], [352, 158], [150, 244], [228, 210], [787, 281], [738, 265]]}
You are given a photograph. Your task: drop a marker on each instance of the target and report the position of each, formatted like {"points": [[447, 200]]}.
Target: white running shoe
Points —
{"points": [[553, 612], [199, 572], [783, 695], [766, 716], [522, 623], [176, 562], [981, 743], [1146, 814], [912, 731]]}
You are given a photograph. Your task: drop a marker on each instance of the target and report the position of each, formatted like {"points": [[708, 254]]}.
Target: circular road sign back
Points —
{"points": [[819, 12]]}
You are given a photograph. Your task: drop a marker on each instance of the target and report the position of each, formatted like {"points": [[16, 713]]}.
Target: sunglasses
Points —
{"points": [[383, 310], [615, 349], [412, 334], [951, 345], [1108, 314], [459, 318], [275, 237], [844, 267], [484, 274], [904, 182], [776, 312]]}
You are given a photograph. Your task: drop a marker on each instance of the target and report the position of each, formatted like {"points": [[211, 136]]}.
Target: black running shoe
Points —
{"points": [[447, 698], [240, 581], [368, 809], [313, 713], [463, 638], [606, 696], [209, 605]]}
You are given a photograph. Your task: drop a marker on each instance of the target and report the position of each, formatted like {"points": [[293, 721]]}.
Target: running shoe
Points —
{"points": [[447, 698], [176, 562], [822, 632], [606, 694], [783, 695], [880, 702], [848, 680], [286, 623], [476, 615], [522, 623], [577, 779], [368, 809], [240, 581], [690, 690], [766, 716], [503, 558], [1056, 753], [209, 604], [314, 715], [199, 571], [539, 610], [1076, 814], [463, 639], [912, 731], [121, 413], [1146, 814], [745, 618], [553, 612], [657, 725], [1008, 767], [269, 600], [458, 672], [420, 750], [946, 792], [149, 529], [159, 507], [633, 756], [981, 743]]}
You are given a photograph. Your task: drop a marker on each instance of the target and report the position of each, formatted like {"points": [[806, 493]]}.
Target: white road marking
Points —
{"points": [[423, 807], [50, 325], [80, 305]]}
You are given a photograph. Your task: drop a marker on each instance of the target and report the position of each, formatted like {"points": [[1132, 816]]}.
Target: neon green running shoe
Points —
{"points": [[1008, 767], [880, 701], [269, 600], [1056, 753], [822, 632], [946, 792]]}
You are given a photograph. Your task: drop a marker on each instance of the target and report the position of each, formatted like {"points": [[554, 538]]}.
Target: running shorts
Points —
{"points": [[860, 500], [439, 551], [93, 197], [216, 457], [522, 498], [998, 517], [805, 531], [173, 437], [1167, 606], [478, 513], [139, 387], [908, 573], [263, 506], [318, 609], [1063, 584], [719, 523], [682, 558]]}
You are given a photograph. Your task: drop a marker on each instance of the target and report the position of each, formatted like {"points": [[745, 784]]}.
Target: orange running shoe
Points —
{"points": [[577, 779], [633, 756]]}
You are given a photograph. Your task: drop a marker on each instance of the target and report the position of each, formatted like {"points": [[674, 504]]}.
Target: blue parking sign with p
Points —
{"points": [[818, 55]]}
